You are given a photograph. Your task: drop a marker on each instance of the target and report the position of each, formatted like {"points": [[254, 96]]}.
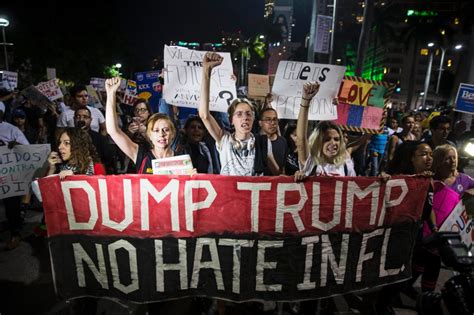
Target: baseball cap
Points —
{"points": [[2, 107], [18, 112]]}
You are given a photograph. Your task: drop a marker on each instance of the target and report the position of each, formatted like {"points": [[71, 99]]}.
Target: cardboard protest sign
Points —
{"points": [[50, 89], [465, 98], [149, 88], [9, 80], [363, 104], [183, 75], [288, 87], [94, 98], [98, 84], [36, 97], [145, 238], [459, 221], [130, 92], [259, 85], [17, 167]]}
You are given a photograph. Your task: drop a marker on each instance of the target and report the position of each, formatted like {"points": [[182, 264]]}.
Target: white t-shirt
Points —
{"points": [[66, 119], [236, 162], [9, 132], [328, 169]]}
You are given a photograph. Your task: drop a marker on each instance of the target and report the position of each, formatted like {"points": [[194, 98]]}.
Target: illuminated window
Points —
{"points": [[424, 52], [443, 32], [385, 70], [450, 63], [456, 21]]}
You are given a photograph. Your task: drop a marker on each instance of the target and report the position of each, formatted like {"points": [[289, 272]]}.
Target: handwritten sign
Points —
{"points": [[259, 85], [98, 84], [183, 75], [362, 104], [17, 167], [9, 80], [288, 88], [50, 89]]}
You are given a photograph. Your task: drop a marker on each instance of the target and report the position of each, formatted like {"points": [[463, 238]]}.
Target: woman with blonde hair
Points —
{"points": [[325, 153], [160, 132]]}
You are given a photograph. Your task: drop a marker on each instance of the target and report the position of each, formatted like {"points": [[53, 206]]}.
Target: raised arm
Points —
{"points": [[209, 61], [309, 91], [127, 146]]}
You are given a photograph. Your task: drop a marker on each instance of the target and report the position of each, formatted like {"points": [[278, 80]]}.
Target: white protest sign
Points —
{"points": [[175, 165], [9, 80], [459, 221], [17, 167], [183, 74], [50, 89], [130, 92], [288, 88], [94, 99], [98, 84]]}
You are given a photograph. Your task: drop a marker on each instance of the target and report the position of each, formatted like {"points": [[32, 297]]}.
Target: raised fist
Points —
{"points": [[112, 85], [211, 60]]}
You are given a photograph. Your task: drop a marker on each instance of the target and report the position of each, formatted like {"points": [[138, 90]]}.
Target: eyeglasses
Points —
{"points": [[270, 120], [139, 110], [241, 114], [82, 95]]}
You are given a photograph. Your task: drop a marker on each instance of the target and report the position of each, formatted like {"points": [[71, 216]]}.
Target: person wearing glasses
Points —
{"points": [[277, 145], [80, 98], [160, 133], [241, 153], [136, 130]]}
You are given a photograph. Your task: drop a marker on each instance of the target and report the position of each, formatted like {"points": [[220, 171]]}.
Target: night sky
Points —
{"points": [[81, 39]]}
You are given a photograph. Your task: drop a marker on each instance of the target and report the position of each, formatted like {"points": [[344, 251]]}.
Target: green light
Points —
{"points": [[421, 13]]}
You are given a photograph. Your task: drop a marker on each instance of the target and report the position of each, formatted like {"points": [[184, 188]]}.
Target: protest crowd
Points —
{"points": [[118, 135]]}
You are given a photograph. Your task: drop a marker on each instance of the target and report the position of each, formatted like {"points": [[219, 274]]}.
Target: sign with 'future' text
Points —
{"points": [[183, 75], [151, 238]]}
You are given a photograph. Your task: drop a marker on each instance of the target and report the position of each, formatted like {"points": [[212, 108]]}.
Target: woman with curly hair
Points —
{"points": [[77, 155]]}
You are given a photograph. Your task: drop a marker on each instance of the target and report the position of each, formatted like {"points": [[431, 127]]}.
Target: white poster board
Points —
{"points": [[323, 34], [17, 167], [183, 75], [9, 80], [50, 89], [288, 87], [459, 221]]}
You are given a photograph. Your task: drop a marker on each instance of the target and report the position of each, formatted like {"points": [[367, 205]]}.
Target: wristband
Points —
{"points": [[306, 99], [307, 106]]}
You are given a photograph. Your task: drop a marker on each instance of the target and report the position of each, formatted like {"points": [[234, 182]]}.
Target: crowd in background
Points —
{"points": [[250, 141]]}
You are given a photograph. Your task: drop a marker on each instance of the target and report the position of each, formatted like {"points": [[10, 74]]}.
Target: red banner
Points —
{"points": [[150, 238], [156, 206]]}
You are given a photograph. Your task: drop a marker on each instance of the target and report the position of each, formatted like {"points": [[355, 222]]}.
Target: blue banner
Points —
{"points": [[465, 98], [149, 88]]}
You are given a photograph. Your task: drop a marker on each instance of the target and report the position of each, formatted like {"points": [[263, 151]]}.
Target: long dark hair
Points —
{"points": [[290, 128], [401, 162], [82, 149]]}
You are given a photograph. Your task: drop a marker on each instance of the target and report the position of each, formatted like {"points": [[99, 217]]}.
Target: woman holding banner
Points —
{"points": [[325, 152], [241, 153], [160, 132]]}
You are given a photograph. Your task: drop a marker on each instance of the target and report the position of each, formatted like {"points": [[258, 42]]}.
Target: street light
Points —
{"points": [[443, 51], [4, 23], [118, 65]]}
